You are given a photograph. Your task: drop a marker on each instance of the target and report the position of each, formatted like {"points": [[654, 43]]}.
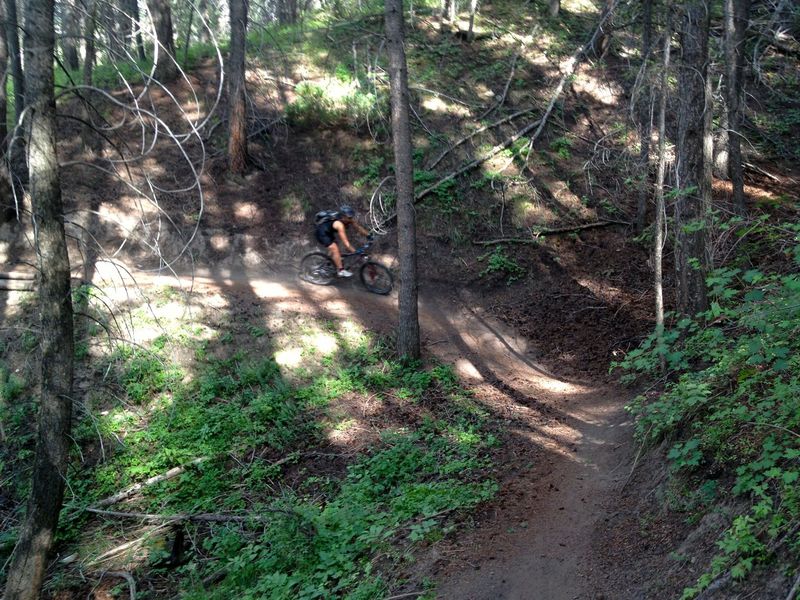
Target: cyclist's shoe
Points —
{"points": [[344, 273]]}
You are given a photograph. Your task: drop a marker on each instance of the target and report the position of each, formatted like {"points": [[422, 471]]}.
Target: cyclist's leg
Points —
{"points": [[336, 255]]}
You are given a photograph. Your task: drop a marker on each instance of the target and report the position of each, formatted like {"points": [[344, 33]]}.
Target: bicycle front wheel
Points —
{"points": [[317, 268], [376, 278]]}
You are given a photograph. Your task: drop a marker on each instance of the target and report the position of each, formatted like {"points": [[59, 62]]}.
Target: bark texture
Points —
{"points": [[237, 106], [690, 245], [737, 14], [3, 82], [72, 32], [16, 144], [52, 446], [161, 14], [408, 326], [643, 116]]}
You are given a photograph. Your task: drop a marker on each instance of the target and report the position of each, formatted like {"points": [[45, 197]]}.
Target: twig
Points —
{"points": [[539, 232], [406, 595]]}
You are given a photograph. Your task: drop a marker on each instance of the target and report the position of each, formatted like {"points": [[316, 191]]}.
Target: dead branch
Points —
{"points": [[18, 276], [181, 517], [539, 232], [123, 495], [479, 131]]}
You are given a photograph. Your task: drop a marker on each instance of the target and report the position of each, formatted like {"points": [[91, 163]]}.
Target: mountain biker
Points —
{"points": [[336, 225]]}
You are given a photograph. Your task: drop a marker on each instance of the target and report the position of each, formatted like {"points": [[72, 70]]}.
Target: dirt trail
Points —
{"points": [[569, 439]]}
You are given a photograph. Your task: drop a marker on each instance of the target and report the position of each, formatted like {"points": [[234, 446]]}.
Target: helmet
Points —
{"points": [[347, 211]]}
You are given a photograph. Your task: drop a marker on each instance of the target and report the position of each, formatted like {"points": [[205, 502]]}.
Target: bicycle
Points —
{"points": [[318, 268]]}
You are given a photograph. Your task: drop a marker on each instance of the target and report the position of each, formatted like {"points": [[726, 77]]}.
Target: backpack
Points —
{"points": [[324, 216]]}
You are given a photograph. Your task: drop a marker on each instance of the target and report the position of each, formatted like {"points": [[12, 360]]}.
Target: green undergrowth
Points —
{"points": [[268, 428], [731, 411]]}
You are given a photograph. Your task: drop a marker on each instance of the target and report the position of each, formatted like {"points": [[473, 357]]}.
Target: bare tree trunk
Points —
{"points": [[661, 211], [52, 447], [112, 25], [72, 33], [131, 27], [16, 145], [91, 26], [644, 116], [473, 7], [161, 14], [603, 41], [204, 36], [737, 13], [690, 224], [237, 106], [449, 10], [408, 326], [554, 6], [188, 39], [3, 85]]}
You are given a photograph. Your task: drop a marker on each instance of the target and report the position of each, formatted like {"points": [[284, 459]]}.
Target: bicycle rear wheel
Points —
{"points": [[317, 268], [376, 278]]}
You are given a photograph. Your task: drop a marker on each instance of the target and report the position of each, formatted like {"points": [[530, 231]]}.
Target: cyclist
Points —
{"points": [[336, 224]]}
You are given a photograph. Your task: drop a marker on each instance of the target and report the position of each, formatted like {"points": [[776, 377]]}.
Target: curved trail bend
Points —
{"points": [[569, 444]]}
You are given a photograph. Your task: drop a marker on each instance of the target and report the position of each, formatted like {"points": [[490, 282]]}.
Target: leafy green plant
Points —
{"points": [[499, 263], [733, 404]]}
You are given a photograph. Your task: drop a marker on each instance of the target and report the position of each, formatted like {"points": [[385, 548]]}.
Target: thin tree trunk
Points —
{"points": [[204, 36], [91, 26], [16, 145], [554, 6], [237, 105], [690, 224], [188, 38], [473, 7], [72, 32], [132, 27], [661, 211], [737, 13], [3, 87], [408, 326], [644, 116], [52, 447], [164, 43]]}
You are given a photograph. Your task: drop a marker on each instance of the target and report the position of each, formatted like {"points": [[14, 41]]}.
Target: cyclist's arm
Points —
{"points": [[360, 229], [341, 231]]}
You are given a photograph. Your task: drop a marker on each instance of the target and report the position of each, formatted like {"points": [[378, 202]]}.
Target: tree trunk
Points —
{"points": [[473, 7], [204, 36], [72, 33], [737, 14], [17, 145], [644, 116], [188, 39], [29, 561], [661, 212], [408, 326], [237, 106], [164, 43], [111, 18], [91, 26], [3, 86], [690, 225], [131, 28], [602, 42], [449, 10], [554, 6]]}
